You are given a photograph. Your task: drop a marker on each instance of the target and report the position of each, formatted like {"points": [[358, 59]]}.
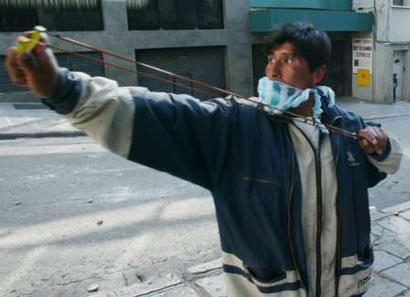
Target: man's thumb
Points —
{"points": [[29, 62]]}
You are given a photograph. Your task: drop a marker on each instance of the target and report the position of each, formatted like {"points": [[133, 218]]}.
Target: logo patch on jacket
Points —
{"points": [[364, 281], [351, 159]]}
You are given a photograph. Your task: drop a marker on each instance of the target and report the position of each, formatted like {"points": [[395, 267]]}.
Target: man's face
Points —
{"points": [[287, 67]]}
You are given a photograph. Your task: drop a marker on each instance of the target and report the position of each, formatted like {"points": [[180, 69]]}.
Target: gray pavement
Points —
{"points": [[390, 227]]}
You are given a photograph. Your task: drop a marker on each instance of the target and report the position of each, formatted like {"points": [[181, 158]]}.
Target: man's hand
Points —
{"points": [[37, 70], [373, 140]]}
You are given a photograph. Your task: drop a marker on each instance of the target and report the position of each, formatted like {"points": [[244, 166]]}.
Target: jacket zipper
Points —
{"points": [[318, 170], [319, 222], [292, 250], [339, 233]]}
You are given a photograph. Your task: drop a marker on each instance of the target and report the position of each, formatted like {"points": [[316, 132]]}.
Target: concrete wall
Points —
{"points": [[400, 24], [364, 93], [116, 37], [390, 34], [383, 72]]}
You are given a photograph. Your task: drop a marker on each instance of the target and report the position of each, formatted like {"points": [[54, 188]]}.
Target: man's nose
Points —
{"points": [[272, 70]]}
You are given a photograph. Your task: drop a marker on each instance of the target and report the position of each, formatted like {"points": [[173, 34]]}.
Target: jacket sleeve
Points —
{"points": [[174, 133]]}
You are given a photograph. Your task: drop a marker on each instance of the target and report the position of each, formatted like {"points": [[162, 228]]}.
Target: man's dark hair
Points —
{"points": [[310, 43]]}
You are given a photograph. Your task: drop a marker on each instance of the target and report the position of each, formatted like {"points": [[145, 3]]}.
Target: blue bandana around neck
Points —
{"points": [[282, 97]]}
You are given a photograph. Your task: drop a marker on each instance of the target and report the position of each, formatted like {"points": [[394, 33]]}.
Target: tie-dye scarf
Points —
{"points": [[281, 97]]}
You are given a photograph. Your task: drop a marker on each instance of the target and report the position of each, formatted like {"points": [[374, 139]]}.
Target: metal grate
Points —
{"points": [[206, 64], [174, 14], [18, 16], [60, 4]]}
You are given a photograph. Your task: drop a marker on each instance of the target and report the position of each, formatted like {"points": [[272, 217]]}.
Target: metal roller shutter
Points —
{"points": [[64, 60], [206, 64], [6, 86]]}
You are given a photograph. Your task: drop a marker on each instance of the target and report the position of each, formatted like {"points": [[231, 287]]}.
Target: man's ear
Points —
{"points": [[319, 74]]}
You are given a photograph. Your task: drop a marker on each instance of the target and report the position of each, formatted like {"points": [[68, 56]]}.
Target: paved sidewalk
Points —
{"points": [[30, 119], [391, 277], [27, 119]]}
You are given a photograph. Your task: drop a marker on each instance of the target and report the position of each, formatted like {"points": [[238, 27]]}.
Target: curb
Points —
{"points": [[380, 117], [12, 136]]}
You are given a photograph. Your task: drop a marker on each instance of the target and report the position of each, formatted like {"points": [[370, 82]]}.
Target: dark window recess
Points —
{"points": [[175, 14], [201, 63], [72, 19], [143, 15], [210, 14], [259, 60], [17, 19], [54, 19], [398, 2]]}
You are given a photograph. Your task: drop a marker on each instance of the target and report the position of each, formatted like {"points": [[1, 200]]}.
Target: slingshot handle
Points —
{"points": [[27, 44]]}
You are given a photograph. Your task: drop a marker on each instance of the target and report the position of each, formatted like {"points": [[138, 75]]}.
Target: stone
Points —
{"points": [[214, 286], [93, 288], [206, 267], [381, 287], [383, 260], [100, 222], [395, 224], [17, 203], [90, 201], [399, 273], [390, 243]]}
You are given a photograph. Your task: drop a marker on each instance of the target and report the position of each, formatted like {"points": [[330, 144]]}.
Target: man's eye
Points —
{"points": [[289, 60]]}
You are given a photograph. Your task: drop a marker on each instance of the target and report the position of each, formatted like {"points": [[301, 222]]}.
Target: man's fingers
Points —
{"points": [[14, 68], [381, 135], [29, 63], [364, 142], [368, 136], [373, 139]]}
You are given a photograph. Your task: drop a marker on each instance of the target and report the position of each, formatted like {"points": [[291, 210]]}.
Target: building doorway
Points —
{"points": [[398, 75]]}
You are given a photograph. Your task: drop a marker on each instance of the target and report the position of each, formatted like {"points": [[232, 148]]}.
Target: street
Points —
{"points": [[73, 215]]}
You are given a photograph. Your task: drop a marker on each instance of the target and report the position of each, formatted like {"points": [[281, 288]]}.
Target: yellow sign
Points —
{"points": [[363, 77]]}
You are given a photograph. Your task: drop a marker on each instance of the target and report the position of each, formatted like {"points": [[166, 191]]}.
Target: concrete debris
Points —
{"points": [[93, 288]]}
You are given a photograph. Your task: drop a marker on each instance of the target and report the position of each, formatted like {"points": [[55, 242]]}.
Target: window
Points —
{"points": [[17, 19], [401, 3], [64, 15], [174, 14]]}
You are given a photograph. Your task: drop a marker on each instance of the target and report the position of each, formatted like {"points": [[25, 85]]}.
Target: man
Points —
{"points": [[395, 84], [291, 199]]}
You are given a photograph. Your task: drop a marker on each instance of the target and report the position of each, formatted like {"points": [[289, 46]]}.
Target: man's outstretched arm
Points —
{"points": [[173, 133]]}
